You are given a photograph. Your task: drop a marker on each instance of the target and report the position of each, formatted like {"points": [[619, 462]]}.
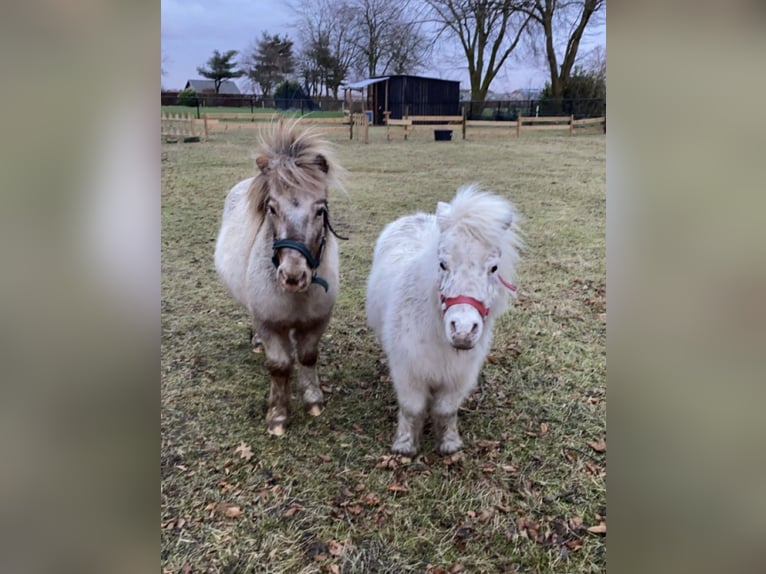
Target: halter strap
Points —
{"points": [[303, 250], [508, 284], [448, 302]]}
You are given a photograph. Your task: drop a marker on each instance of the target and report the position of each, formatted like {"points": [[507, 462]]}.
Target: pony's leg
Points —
{"points": [[412, 410], [278, 349], [444, 419], [255, 339], [307, 349]]}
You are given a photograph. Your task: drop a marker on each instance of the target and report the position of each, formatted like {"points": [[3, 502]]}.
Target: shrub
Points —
{"points": [[187, 97]]}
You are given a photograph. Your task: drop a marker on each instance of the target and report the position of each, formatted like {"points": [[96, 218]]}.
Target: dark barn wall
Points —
{"points": [[418, 97]]}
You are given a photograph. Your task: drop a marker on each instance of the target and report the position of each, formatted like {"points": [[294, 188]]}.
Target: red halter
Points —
{"points": [[460, 299], [475, 303]]}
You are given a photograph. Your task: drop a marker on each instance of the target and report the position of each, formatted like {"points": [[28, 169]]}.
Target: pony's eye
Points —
{"points": [[320, 212], [494, 269], [442, 265], [270, 210]]}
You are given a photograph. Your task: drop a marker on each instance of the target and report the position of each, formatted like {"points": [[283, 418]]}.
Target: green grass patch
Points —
{"points": [[328, 496]]}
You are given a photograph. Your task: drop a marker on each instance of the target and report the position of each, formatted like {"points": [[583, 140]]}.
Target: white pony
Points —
{"points": [[277, 255], [437, 284]]}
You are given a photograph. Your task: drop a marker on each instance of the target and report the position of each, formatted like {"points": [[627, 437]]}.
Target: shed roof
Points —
{"points": [[364, 83]]}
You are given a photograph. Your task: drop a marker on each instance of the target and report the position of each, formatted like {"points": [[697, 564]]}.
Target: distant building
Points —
{"points": [[526, 94], [403, 95], [208, 86]]}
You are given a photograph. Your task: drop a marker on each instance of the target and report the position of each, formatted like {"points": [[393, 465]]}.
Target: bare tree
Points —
{"points": [[562, 18], [390, 39], [488, 31], [328, 36]]}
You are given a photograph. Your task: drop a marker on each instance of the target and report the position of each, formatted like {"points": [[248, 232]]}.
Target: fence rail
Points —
{"points": [[522, 123]]}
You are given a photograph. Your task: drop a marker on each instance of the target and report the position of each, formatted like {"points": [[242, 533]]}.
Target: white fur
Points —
{"points": [[403, 307]]}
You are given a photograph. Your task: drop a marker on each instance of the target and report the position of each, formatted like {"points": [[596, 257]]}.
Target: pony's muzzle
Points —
{"points": [[463, 327], [293, 274]]}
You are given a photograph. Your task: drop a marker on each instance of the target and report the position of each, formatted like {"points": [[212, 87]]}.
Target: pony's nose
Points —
{"points": [[465, 335], [293, 281]]}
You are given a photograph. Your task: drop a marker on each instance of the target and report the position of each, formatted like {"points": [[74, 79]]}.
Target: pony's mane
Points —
{"points": [[295, 156], [484, 215]]}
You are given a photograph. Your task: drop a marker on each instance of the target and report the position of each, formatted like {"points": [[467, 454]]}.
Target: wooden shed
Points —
{"points": [[409, 96]]}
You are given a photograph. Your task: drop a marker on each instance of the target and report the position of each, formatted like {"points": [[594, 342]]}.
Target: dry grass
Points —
{"points": [[527, 485]]}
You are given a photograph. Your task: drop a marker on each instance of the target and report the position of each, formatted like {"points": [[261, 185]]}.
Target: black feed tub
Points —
{"points": [[442, 135]]}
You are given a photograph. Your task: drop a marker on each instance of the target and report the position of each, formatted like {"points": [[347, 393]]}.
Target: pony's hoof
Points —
{"points": [[314, 410], [405, 448], [450, 446], [277, 429]]}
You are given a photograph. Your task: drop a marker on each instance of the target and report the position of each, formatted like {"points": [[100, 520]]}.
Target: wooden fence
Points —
{"points": [[175, 127], [482, 127]]}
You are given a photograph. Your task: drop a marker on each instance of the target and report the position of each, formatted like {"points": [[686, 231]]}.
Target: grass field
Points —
{"points": [[328, 497]]}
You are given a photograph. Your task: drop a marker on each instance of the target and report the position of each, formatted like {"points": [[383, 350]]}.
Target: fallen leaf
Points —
{"points": [[355, 509], [600, 528], [597, 445], [334, 569], [371, 499], [293, 510], [244, 451], [232, 511], [485, 515], [395, 487], [543, 428], [186, 569], [509, 468], [456, 568], [324, 457], [593, 468], [336, 548], [360, 487], [357, 428], [574, 544]]}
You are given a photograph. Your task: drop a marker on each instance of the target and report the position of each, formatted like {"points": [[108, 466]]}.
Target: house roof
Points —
{"points": [[227, 86]]}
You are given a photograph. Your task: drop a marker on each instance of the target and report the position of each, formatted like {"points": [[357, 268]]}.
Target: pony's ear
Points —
{"points": [[321, 162], [443, 212], [263, 162]]}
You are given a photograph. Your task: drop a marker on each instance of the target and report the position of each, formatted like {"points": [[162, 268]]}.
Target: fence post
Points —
{"points": [[571, 124], [197, 107], [464, 121], [204, 119], [518, 126]]}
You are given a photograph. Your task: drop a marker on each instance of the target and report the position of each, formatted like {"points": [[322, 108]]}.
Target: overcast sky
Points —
{"points": [[192, 29]]}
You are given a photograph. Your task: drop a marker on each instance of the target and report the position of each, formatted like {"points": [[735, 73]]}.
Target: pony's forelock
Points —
{"points": [[489, 217], [293, 155]]}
